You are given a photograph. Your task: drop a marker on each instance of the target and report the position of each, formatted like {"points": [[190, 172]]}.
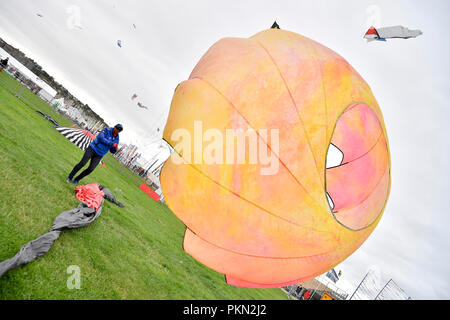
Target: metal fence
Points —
{"points": [[371, 288]]}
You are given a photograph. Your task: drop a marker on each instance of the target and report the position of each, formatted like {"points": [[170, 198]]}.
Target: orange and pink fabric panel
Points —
{"points": [[272, 230]]}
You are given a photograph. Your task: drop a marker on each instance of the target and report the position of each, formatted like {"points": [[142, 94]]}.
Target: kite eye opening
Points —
{"points": [[357, 170], [334, 158]]}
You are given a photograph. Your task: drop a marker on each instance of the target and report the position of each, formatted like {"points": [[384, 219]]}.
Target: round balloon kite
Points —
{"points": [[251, 129]]}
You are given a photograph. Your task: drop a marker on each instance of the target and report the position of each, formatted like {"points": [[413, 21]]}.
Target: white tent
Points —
{"points": [[57, 103]]}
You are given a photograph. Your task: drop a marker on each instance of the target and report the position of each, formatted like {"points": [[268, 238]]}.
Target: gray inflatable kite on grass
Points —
{"points": [[78, 217]]}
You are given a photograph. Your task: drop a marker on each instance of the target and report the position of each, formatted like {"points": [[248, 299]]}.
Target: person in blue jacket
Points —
{"points": [[106, 140]]}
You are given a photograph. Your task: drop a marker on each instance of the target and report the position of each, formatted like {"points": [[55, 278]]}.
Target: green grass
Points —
{"points": [[133, 252]]}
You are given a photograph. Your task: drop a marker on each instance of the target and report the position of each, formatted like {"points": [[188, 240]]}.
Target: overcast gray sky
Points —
{"points": [[409, 78]]}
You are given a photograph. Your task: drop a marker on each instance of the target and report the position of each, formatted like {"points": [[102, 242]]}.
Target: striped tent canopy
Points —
{"points": [[81, 138]]}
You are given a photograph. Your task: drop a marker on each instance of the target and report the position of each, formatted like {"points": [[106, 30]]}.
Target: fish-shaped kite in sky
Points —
{"points": [[133, 96], [381, 34]]}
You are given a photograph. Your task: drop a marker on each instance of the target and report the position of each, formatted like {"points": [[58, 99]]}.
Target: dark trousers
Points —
{"points": [[89, 154]]}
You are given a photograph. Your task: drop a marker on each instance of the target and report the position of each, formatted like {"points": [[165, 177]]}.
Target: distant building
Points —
{"points": [[57, 103], [46, 92], [81, 117], [45, 95]]}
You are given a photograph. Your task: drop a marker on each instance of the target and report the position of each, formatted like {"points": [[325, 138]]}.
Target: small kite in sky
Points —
{"points": [[39, 15], [119, 43], [134, 25], [133, 96], [141, 105], [381, 34]]}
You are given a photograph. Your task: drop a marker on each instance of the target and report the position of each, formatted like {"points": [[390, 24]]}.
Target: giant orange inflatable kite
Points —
{"points": [[270, 223]]}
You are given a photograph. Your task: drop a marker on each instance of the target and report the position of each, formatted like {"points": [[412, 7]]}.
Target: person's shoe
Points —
{"points": [[72, 181]]}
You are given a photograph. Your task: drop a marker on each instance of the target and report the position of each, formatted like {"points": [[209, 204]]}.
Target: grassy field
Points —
{"points": [[133, 252]]}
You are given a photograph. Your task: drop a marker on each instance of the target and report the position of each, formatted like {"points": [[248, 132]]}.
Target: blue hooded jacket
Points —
{"points": [[104, 142]]}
